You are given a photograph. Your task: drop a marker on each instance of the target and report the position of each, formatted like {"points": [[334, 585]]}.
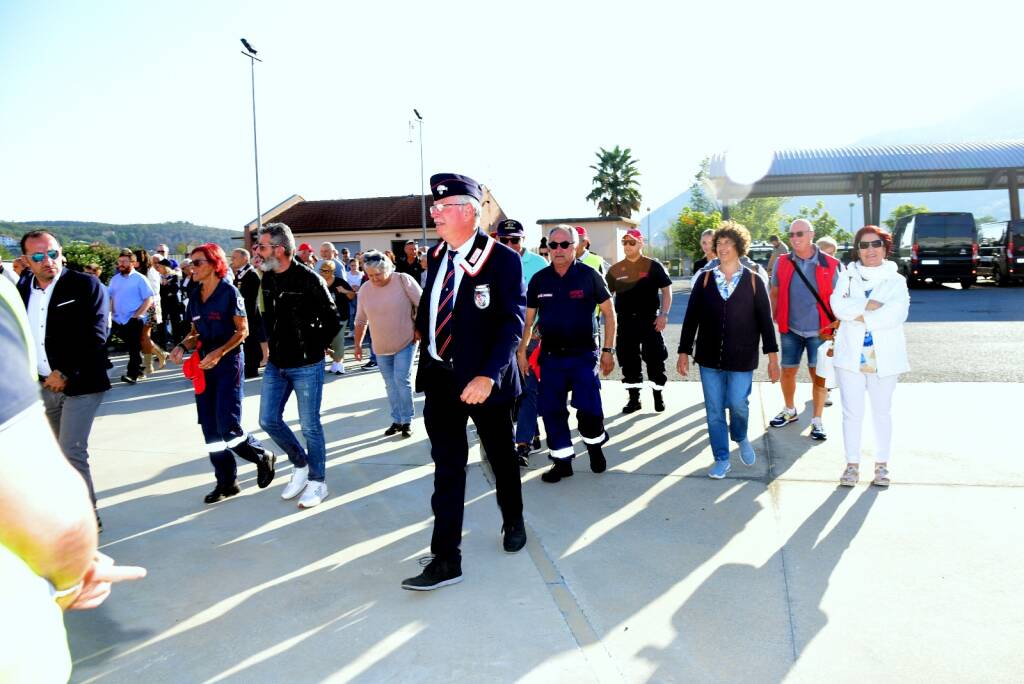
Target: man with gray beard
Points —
{"points": [[300, 319]]}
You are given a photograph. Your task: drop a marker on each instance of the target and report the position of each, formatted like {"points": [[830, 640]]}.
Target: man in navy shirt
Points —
{"points": [[565, 294]]}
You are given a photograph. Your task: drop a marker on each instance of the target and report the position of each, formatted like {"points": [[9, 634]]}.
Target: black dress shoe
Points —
{"points": [[659, 401], [220, 493], [129, 380], [265, 469], [406, 430], [99, 523], [561, 468], [513, 536], [437, 573], [523, 455], [393, 430], [536, 443]]}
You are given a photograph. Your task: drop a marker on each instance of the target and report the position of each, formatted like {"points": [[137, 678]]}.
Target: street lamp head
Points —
{"points": [[417, 113], [249, 48]]}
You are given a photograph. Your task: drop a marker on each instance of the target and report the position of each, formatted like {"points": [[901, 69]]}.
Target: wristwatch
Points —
{"points": [[608, 350]]}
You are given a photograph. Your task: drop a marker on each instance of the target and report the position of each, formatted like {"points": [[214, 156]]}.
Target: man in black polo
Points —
{"points": [[564, 295], [643, 297], [68, 321], [409, 263]]}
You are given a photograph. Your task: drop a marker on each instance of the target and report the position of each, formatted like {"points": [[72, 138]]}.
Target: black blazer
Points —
{"points": [[490, 307], [76, 331]]}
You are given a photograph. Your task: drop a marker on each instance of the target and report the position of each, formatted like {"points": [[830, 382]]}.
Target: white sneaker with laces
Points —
{"points": [[300, 476], [314, 493]]}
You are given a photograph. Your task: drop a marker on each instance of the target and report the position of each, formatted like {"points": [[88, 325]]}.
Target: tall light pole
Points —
{"points": [[852, 231], [250, 52], [423, 197], [649, 227]]}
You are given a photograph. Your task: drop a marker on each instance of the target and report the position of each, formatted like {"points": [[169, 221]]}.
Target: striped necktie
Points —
{"points": [[445, 312]]}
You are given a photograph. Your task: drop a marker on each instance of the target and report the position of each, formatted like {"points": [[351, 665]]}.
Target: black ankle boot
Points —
{"points": [[633, 404], [562, 468], [659, 401], [598, 464], [220, 492]]}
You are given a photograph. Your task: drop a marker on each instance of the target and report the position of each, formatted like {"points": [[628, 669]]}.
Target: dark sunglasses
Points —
{"points": [[200, 262], [797, 233], [564, 244], [52, 253], [864, 244], [629, 242], [507, 240]]}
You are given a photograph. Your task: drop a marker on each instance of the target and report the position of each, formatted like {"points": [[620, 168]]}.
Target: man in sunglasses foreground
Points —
{"points": [[643, 298], [469, 321], [564, 295], [512, 235], [802, 283], [68, 321]]}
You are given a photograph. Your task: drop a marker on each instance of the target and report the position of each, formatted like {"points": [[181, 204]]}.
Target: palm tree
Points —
{"points": [[615, 186]]}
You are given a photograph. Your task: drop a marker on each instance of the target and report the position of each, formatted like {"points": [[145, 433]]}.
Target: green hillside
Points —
{"points": [[176, 234]]}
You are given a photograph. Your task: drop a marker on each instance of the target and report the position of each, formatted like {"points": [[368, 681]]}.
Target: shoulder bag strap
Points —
{"points": [[828, 312]]}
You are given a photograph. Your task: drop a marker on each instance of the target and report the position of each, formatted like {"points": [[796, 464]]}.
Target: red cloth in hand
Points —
{"points": [[193, 372]]}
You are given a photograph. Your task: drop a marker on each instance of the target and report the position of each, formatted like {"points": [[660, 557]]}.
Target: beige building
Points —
{"points": [[605, 233], [382, 223]]}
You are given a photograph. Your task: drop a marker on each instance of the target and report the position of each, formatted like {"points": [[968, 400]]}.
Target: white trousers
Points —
{"points": [[853, 387]]}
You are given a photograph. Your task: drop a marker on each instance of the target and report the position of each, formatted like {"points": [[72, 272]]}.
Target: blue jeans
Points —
{"points": [[526, 419], [308, 384], [726, 390], [397, 371]]}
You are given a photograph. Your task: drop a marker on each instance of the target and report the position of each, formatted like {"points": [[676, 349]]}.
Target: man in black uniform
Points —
{"points": [[247, 281], [643, 297], [409, 262], [469, 321], [565, 294]]}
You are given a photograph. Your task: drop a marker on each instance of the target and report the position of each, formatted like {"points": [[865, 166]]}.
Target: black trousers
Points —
{"points": [[446, 417], [131, 334], [253, 353], [636, 340]]}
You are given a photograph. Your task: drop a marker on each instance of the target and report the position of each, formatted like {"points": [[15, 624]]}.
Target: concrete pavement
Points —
{"points": [[648, 572]]}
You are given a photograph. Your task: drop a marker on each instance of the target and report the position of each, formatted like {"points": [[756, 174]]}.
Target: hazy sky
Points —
{"points": [[134, 112]]}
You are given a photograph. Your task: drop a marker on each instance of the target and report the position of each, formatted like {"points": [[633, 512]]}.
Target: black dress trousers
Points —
{"points": [[446, 417]]}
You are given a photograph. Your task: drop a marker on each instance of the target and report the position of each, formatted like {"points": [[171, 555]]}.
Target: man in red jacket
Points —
{"points": [[801, 317]]}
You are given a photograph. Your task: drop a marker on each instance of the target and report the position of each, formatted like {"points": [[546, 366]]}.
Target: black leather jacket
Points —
{"points": [[299, 315]]}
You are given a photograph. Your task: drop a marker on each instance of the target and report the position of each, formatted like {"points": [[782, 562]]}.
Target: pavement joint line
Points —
{"points": [[576, 621]]}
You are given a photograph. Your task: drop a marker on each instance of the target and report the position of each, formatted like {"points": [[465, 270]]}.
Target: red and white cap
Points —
{"points": [[635, 234]]}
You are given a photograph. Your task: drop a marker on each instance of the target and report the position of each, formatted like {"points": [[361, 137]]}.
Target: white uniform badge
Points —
{"points": [[482, 296]]}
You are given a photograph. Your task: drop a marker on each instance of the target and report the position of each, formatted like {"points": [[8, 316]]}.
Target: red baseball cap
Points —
{"points": [[635, 234], [305, 247], [582, 232]]}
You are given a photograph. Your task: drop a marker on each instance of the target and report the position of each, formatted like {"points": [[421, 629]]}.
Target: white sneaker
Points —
{"points": [[314, 493], [300, 476]]}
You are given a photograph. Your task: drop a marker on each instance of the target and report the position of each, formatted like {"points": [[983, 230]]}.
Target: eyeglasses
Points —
{"points": [[564, 244], [507, 240], [438, 208], [52, 253], [200, 262], [260, 247], [797, 233], [629, 242], [865, 244]]}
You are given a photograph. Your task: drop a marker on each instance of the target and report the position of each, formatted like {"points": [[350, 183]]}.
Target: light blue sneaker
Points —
{"points": [[747, 454], [718, 470]]}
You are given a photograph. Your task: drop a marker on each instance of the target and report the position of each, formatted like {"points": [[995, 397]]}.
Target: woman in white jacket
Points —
{"points": [[872, 301]]}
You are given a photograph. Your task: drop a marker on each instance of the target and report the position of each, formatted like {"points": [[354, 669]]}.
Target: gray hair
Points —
{"points": [[378, 261], [243, 251], [707, 233], [471, 201], [826, 240], [280, 234], [574, 237], [329, 244]]}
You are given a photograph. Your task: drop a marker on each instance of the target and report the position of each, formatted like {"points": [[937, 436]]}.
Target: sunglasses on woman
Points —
{"points": [[864, 244], [564, 244], [52, 253]]}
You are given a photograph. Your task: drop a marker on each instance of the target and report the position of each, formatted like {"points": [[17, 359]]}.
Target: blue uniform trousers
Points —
{"points": [[559, 375], [220, 416]]}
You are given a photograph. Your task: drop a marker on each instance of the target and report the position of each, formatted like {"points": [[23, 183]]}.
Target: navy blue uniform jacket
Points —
{"points": [[487, 328], [76, 331]]}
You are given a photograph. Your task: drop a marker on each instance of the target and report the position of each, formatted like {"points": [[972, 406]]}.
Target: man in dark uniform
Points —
{"points": [[469, 321], [643, 297], [565, 294], [247, 281], [409, 262]]}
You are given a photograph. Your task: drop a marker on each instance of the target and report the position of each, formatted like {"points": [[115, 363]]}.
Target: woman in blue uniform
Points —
{"points": [[217, 313]]}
